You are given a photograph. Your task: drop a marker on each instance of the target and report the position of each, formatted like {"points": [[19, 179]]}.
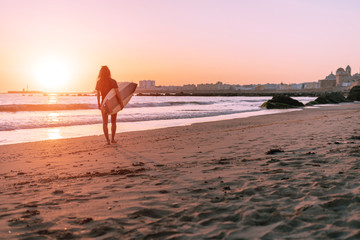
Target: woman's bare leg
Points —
{"points": [[113, 127], [105, 127]]}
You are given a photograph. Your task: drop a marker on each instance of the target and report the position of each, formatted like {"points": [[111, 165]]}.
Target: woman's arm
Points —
{"points": [[98, 99]]}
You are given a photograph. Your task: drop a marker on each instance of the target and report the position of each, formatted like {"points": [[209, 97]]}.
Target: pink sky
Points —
{"points": [[176, 42]]}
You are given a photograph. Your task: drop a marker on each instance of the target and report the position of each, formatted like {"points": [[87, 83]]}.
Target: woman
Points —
{"points": [[104, 84]]}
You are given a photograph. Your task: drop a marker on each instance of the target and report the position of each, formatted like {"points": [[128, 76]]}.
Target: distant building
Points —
{"points": [[147, 84], [328, 82], [356, 77], [342, 78], [244, 87], [270, 86], [283, 86], [213, 87], [189, 87], [311, 85], [169, 88], [297, 86]]}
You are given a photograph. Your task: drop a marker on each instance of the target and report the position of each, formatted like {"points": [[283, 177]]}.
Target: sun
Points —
{"points": [[52, 74]]}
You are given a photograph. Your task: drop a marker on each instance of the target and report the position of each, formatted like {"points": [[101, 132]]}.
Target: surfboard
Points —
{"points": [[111, 104]]}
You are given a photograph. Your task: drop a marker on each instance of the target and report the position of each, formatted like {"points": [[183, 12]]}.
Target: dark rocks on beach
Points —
{"points": [[355, 138], [354, 94], [328, 98], [57, 192], [274, 151], [282, 102]]}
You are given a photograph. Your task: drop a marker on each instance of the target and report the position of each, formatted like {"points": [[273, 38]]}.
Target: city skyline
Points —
{"points": [[329, 82], [60, 46]]}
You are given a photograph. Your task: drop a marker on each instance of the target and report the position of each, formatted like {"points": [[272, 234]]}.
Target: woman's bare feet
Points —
{"points": [[113, 141]]}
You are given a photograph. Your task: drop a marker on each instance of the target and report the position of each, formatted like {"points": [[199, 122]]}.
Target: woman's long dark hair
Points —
{"points": [[104, 74]]}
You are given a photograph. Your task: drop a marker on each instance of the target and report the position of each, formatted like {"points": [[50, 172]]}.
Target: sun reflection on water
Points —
{"points": [[52, 98], [54, 133], [53, 117]]}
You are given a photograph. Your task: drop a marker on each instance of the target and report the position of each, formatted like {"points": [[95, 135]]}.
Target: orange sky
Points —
{"points": [[174, 42]]}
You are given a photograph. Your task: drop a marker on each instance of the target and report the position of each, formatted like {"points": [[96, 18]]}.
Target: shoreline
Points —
{"points": [[66, 132], [287, 175]]}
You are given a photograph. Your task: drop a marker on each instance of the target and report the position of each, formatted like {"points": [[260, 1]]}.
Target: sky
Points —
{"points": [[53, 45]]}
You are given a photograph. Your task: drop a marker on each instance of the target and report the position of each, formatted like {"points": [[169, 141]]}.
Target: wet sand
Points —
{"points": [[293, 175]]}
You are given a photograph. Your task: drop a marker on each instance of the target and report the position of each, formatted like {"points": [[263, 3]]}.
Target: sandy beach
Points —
{"points": [[283, 176]]}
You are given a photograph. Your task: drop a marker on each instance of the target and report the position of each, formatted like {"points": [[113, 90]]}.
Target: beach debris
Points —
{"points": [[84, 220], [138, 164], [274, 151], [282, 102], [30, 213]]}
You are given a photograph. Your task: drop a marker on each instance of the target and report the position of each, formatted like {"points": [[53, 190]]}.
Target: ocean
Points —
{"points": [[37, 117]]}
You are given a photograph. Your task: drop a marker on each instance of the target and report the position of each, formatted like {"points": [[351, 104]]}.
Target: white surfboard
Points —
{"points": [[111, 104]]}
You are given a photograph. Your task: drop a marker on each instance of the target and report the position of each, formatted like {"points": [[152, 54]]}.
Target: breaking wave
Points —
{"points": [[59, 107]]}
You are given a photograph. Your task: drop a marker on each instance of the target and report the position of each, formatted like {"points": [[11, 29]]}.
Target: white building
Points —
{"points": [[270, 86], [214, 87], [169, 88], [311, 85], [147, 84], [297, 86]]}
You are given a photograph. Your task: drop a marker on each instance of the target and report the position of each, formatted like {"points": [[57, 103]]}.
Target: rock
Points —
{"points": [[281, 102], [57, 192], [274, 151], [354, 94], [328, 98]]}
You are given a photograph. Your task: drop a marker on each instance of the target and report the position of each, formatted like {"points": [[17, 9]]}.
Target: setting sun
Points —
{"points": [[52, 73]]}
